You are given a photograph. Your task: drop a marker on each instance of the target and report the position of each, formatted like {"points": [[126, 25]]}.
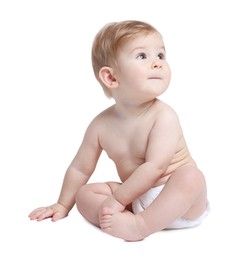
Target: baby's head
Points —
{"points": [[108, 41]]}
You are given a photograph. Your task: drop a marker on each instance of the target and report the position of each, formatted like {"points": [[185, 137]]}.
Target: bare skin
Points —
{"points": [[184, 194], [143, 137]]}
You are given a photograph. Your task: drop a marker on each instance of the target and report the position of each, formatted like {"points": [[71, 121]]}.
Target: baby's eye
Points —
{"points": [[161, 56], [141, 56]]}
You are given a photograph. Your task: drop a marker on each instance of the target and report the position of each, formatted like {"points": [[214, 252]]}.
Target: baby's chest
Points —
{"points": [[121, 144]]}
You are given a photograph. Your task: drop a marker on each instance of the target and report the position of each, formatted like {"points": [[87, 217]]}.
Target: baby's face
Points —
{"points": [[143, 71]]}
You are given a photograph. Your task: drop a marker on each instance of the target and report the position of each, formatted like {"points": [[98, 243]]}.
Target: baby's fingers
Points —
{"points": [[41, 213], [35, 213]]}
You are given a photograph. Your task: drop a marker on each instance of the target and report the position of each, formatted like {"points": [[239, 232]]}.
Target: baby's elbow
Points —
{"points": [[159, 170]]}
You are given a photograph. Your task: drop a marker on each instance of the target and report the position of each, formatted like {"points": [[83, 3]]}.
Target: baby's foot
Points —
{"points": [[123, 225]]}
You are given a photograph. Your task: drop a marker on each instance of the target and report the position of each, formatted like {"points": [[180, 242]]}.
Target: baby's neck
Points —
{"points": [[127, 110]]}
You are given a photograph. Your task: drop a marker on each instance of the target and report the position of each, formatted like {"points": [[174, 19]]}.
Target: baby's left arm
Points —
{"points": [[162, 145]]}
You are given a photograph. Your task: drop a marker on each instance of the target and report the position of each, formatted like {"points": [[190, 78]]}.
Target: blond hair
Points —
{"points": [[108, 40]]}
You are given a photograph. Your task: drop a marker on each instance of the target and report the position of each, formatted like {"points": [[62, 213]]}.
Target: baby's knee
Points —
{"points": [[81, 194], [192, 178]]}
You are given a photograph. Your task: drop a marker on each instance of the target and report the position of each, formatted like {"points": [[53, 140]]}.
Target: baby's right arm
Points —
{"points": [[77, 174], [72, 182]]}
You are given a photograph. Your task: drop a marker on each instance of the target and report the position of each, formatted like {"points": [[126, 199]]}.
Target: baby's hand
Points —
{"points": [[112, 203], [55, 212]]}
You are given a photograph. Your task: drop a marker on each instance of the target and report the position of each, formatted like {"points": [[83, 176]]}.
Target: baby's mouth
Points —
{"points": [[157, 78]]}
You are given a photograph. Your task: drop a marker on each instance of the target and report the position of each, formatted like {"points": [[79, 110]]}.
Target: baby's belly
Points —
{"points": [[127, 166]]}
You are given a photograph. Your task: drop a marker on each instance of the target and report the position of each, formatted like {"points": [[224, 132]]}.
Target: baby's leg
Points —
{"points": [[90, 197], [184, 195]]}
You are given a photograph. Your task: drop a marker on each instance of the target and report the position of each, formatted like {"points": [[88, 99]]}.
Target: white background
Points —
{"points": [[48, 96]]}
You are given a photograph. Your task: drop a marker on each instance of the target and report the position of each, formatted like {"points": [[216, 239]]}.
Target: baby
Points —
{"points": [[161, 186]]}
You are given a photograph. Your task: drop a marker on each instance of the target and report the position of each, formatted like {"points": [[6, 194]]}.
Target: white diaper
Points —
{"points": [[148, 197]]}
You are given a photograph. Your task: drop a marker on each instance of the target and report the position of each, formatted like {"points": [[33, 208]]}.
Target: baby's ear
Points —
{"points": [[106, 74]]}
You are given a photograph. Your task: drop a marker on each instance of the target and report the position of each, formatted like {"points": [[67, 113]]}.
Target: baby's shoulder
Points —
{"points": [[166, 117], [102, 118], [162, 109], [105, 114]]}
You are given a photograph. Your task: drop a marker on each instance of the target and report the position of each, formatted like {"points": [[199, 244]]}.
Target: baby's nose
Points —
{"points": [[157, 64]]}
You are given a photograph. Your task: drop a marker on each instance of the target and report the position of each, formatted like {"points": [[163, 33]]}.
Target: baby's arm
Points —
{"points": [[72, 181], [77, 174], [162, 145]]}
